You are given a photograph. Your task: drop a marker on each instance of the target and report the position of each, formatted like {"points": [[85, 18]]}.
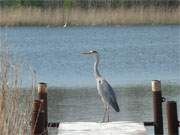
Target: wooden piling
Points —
{"points": [[53, 124], [42, 93], [172, 118], [148, 123], [157, 107], [38, 118]]}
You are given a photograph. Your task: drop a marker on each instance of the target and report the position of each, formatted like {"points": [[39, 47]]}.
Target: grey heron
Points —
{"points": [[105, 90]]}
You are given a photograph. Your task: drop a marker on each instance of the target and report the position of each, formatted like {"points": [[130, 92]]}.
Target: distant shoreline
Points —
{"points": [[33, 16]]}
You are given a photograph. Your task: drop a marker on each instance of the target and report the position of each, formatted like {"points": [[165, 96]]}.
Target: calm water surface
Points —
{"points": [[128, 54], [130, 58]]}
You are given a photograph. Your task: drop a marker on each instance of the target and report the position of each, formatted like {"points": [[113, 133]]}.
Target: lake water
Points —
{"points": [[131, 56]]}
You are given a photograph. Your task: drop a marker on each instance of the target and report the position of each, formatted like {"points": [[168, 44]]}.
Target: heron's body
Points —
{"points": [[107, 94], [105, 90]]}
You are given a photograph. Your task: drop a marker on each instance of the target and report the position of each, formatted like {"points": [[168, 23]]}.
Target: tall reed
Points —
{"points": [[15, 105], [93, 16]]}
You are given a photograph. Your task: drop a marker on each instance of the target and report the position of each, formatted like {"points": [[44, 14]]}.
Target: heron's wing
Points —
{"points": [[109, 94]]}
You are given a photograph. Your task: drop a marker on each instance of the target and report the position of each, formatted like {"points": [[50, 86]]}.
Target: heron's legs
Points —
{"points": [[108, 113], [106, 110], [104, 117]]}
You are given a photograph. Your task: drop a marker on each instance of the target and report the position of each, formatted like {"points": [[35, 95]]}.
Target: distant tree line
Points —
{"points": [[90, 3]]}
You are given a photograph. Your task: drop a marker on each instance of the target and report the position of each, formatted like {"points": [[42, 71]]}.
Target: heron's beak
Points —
{"points": [[85, 53]]}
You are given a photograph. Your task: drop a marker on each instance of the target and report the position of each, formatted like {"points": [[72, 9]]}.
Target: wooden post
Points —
{"points": [[42, 92], [53, 124], [157, 107], [172, 118], [38, 118], [148, 123]]}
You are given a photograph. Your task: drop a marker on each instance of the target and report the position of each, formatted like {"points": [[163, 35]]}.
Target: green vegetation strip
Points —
{"points": [[90, 3]]}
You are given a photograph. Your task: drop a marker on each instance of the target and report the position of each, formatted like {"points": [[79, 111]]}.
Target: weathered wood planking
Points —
{"points": [[93, 128]]}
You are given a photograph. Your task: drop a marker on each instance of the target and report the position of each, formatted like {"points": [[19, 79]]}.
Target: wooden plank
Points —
{"points": [[110, 128]]}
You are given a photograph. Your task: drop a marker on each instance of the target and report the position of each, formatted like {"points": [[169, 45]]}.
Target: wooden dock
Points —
{"points": [[110, 128], [40, 124]]}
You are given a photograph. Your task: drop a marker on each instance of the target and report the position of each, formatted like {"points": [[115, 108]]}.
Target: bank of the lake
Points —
{"points": [[34, 16]]}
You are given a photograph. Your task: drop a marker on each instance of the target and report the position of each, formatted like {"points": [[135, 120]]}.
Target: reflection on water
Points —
{"points": [[83, 104]]}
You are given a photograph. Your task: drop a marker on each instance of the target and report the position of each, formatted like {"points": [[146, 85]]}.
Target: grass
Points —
{"points": [[20, 16], [15, 105]]}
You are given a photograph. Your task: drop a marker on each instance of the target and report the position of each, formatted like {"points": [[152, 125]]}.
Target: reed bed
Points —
{"points": [[19, 16], [15, 105]]}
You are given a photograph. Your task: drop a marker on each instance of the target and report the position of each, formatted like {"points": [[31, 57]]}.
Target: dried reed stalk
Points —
{"points": [[15, 105], [99, 16]]}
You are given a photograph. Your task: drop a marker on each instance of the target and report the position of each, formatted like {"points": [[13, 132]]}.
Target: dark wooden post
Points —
{"points": [[53, 124], [42, 92], [157, 107], [172, 118], [38, 118]]}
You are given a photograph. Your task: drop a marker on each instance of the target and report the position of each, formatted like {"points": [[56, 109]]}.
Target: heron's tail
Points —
{"points": [[115, 106]]}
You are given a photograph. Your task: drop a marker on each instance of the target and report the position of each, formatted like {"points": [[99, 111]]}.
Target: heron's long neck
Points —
{"points": [[96, 71]]}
